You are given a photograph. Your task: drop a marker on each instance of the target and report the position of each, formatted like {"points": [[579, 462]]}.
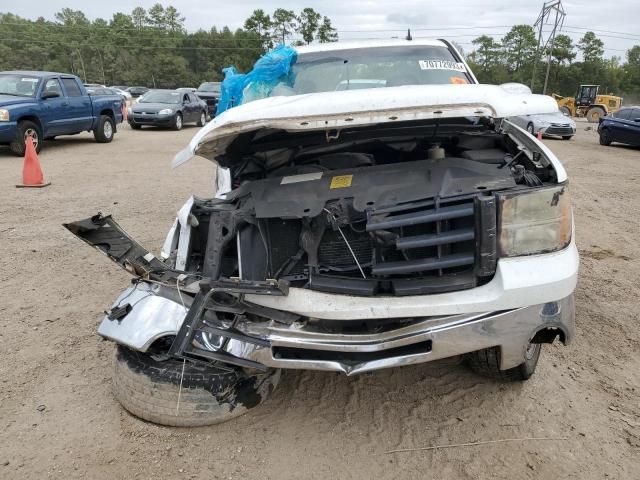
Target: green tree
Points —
{"points": [[156, 16], [520, 48], [138, 17], [592, 48], [70, 17], [326, 32], [284, 24], [260, 24], [563, 52], [308, 23]]}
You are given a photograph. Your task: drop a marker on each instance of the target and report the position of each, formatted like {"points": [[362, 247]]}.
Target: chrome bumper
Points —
{"points": [[304, 346]]}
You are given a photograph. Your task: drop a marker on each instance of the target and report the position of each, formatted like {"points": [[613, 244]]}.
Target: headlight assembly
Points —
{"points": [[166, 111], [4, 115], [536, 221]]}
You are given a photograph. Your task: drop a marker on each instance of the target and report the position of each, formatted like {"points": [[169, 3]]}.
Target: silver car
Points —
{"points": [[549, 124]]}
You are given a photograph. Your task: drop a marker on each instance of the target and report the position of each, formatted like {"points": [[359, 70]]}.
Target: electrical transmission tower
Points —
{"points": [[552, 14]]}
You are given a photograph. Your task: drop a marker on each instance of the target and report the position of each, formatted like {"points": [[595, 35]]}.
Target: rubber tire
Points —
{"points": [[203, 116], [175, 124], [99, 134], [566, 111], [148, 389], [530, 129], [567, 137], [592, 112], [17, 146], [487, 363], [605, 138], [135, 126]]}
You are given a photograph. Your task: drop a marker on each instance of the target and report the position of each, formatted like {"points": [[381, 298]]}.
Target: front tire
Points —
{"points": [[567, 137], [135, 126], [149, 389], [177, 123], [605, 138], [487, 363], [594, 114], [26, 128], [106, 129]]}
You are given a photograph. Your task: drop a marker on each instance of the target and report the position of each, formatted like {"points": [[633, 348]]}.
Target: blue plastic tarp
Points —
{"points": [[271, 69]]}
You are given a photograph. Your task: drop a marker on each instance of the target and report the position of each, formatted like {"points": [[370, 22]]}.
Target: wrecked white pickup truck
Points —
{"points": [[374, 211]]}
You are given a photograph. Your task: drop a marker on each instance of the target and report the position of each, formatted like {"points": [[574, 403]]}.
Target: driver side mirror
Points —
{"points": [[46, 95]]}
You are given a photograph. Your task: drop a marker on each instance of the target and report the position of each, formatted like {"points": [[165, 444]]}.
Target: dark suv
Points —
{"points": [[210, 93], [622, 126]]}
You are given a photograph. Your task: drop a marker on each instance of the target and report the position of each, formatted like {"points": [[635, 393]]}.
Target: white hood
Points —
{"points": [[351, 108]]}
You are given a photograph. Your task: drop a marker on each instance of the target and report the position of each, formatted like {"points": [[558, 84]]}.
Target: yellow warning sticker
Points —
{"points": [[341, 181]]}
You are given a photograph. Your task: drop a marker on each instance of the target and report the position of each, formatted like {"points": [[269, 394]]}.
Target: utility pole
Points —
{"points": [[552, 11]]}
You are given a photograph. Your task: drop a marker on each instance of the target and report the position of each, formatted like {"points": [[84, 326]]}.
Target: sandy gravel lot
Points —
{"points": [[58, 418]]}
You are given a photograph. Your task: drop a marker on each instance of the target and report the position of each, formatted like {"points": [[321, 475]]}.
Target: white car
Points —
{"points": [[352, 230], [555, 124]]}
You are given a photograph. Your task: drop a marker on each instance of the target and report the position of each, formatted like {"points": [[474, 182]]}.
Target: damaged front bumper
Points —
{"points": [[265, 324], [302, 345]]}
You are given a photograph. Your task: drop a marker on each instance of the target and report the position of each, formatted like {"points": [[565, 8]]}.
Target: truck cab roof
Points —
{"points": [[38, 74]]}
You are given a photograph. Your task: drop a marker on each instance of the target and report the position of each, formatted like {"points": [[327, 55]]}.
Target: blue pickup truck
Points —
{"points": [[44, 105]]}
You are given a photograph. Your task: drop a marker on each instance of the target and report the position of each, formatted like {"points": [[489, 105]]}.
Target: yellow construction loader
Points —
{"points": [[588, 103]]}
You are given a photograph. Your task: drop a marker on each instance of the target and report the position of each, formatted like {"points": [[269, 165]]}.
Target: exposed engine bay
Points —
{"points": [[402, 210]]}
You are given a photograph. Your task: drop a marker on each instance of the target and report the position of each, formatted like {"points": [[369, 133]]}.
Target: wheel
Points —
{"points": [[26, 128], [177, 125], [105, 130], [567, 137], [148, 386], [530, 129], [203, 119], [594, 114], [605, 138], [566, 111], [135, 126], [487, 363]]}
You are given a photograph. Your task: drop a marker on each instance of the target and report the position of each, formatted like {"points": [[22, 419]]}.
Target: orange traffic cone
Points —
{"points": [[31, 172], [124, 111], [539, 135]]}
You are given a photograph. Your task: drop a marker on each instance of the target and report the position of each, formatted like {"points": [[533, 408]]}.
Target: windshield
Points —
{"points": [[161, 97], [379, 67], [213, 87], [18, 85]]}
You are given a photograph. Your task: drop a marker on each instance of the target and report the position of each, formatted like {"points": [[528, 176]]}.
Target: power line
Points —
{"points": [[605, 31]]}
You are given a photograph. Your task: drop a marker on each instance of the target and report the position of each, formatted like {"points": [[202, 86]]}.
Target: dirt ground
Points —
{"points": [[58, 418]]}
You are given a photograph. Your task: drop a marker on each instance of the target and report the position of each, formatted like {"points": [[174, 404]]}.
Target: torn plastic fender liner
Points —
{"points": [[104, 234]]}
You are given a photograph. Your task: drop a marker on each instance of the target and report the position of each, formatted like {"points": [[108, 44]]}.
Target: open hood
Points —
{"points": [[332, 111]]}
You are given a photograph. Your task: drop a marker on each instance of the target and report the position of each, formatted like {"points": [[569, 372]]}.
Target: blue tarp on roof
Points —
{"points": [[271, 69]]}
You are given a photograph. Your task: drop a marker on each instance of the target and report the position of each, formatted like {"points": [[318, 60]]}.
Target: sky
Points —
{"points": [[616, 23]]}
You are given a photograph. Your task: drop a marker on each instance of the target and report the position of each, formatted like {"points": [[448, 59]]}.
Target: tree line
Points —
{"points": [[512, 59], [153, 48], [150, 47]]}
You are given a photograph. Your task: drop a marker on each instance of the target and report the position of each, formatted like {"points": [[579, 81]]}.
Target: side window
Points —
{"points": [[622, 114], [52, 86], [71, 87], [185, 98], [635, 113]]}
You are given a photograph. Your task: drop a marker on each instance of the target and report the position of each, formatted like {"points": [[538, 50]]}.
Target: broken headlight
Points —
{"points": [[536, 221]]}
